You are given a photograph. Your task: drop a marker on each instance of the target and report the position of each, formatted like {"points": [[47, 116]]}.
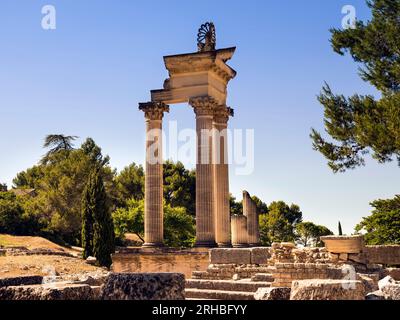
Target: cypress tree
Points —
{"points": [[97, 224], [103, 227], [88, 207], [340, 229]]}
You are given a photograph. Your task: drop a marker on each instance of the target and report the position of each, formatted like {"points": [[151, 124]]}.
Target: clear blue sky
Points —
{"points": [[86, 78]]}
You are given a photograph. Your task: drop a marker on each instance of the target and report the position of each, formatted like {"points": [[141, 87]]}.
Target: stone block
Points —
{"points": [[20, 281], [327, 289], [51, 291], [144, 286], [260, 255], [394, 273], [390, 288], [230, 256], [275, 293]]}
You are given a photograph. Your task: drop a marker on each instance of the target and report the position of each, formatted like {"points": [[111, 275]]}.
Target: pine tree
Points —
{"points": [[362, 124], [97, 223]]}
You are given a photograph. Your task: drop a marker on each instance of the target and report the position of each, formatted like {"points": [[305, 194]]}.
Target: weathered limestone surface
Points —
{"points": [[389, 288], [393, 272], [285, 273], [250, 211], [221, 176], [144, 286], [196, 74], [260, 255], [239, 231], [327, 290], [53, 291], [272, 294], [388, 254], [230, 256], [153, 216], [369, 281], [204, 108], [20, 281]]}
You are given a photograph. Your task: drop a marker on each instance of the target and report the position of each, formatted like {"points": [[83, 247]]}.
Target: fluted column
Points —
{"points": [[205, 226], [153, 198], [250, 211], [221, 176], [239, 231]]}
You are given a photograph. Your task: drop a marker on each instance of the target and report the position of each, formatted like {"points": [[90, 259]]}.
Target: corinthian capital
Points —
{"points": [[222, 114], [153, 110], [203, 105]]}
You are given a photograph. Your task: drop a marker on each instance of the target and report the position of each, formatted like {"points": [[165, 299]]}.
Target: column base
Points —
{"points": [[240, 245], [225, 245], [254, 245], [153, 245], [205, 244]]}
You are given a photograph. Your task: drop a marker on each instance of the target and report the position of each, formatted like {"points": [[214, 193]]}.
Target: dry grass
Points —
{"points": [[12, 266], [28, 242]]}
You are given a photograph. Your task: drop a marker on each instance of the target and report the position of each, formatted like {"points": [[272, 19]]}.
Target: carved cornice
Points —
{"points": [[222, 114], [153, 110], [203, 106]]}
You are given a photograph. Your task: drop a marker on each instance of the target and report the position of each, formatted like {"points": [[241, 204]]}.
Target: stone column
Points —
{"points": [[153, 198], [221, 176], [205, 226], [239, 231], [250, 211]]}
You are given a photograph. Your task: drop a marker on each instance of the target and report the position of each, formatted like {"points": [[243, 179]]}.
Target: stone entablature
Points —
{"points": [[196, 74]]}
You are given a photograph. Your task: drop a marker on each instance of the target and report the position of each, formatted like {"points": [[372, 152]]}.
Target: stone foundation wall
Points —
{"points": [[241, 256], [387, 255], [285, 273], [160, 260], [229, 271]]}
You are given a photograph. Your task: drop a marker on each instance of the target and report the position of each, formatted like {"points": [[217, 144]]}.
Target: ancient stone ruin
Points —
{"points": [[283, 272]]}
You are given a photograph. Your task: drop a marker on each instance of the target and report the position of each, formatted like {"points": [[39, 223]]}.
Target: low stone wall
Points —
{"points": [[240, 256], [285, 273], [114, 286], [155, 260], [387, 255], [228, 271]]}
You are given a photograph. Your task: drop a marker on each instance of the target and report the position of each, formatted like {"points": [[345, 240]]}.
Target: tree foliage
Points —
{"points": [[57, 143], [383, 226], [361, 124], [179, 226], [308, 234], [179, 186], [279, 223], [103, 226], [130, 183], [59, 184]]}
